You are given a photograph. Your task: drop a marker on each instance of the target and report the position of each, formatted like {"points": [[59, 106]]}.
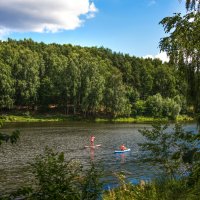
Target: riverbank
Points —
{"points": [[57, 118], [144, 119]]}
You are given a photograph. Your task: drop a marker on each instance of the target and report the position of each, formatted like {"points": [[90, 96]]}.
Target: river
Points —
{"points": [[70, 138]]}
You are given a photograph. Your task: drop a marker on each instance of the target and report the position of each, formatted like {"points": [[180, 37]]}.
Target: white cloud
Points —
{"points": [[148, 56], [162, 56], [43, 15], [3, 32], [92, 12]]}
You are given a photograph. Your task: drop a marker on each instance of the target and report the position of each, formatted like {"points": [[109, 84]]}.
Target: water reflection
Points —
{"points": [[92, 154], [92, 150], [121, 157]]}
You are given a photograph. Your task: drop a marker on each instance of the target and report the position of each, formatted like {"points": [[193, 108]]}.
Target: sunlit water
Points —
{"points": [[70, 138]]}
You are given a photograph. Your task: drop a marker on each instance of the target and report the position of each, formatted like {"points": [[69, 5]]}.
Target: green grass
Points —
{"points": [[157, 190], [37, 118], [143, 119], [26, 117], [182, 118], [140, 119]]}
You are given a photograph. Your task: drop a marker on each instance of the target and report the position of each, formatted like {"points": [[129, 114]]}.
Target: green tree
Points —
{"points": [[56, 178], [139, 107], [173, 150], [154, 105], [70, 84], [92, 185], [132, 94], [26, 74], [146, 83], [6, 86], [115, 99], [93, 86], [165, 81], [192, 5], [50, 91], [79, 80], [171, 108], [183, 47]]}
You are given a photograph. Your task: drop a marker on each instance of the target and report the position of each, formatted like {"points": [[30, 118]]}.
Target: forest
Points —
{"points": [[94, 81], [90, 81]]}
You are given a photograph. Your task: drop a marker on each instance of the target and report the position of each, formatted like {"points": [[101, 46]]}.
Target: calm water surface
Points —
{"points": [[71, 137]]}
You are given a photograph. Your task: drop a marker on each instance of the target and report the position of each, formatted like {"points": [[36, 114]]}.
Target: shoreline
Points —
{"points": [[64, 118]]}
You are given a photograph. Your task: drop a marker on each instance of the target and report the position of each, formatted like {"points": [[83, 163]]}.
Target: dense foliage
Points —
{"points": [[12, 138], [175, 150], [192, 5], [183, 47], [58, 179], [87, 81]]}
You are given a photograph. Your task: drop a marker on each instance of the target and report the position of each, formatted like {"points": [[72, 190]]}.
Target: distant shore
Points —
{"points": [[59, 117]]}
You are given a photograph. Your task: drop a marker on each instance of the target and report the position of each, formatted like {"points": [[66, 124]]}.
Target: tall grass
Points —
{"points": [[164, 189]]}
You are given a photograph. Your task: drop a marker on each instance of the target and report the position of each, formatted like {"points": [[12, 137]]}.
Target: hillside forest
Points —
{"points": [[91, 81]]}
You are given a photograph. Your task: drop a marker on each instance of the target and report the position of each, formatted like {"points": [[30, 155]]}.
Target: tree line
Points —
{"points": [[88, 81]]}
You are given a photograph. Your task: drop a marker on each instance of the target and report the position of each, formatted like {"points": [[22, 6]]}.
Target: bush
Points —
{"points": [[157, 106], [56, 179], [139, 107], [170, 108]]}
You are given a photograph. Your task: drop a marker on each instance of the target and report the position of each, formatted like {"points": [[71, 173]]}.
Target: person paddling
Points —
{"points": [[92, 140], [122, 147]]}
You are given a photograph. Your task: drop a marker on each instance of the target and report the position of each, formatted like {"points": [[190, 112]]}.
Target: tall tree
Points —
{"points": [[183, 47], [193, 5], [70, 77], [25, 71], [115, 99], [173, 149], [6, 86], [92, 85], [165, 81]]}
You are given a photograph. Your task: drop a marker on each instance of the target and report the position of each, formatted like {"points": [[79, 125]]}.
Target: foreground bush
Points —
{"points": [[164, 189], [56, 179]]}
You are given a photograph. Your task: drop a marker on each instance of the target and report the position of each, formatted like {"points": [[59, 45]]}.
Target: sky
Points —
{"points": [[126, 26]]}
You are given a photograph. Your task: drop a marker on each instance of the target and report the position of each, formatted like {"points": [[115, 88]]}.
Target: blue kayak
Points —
{"points": [[120, 151]]}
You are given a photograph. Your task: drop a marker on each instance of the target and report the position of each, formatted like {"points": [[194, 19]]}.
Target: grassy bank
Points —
{"points": [[57, 118], [143, 119], [37, 118], [140, 119]]}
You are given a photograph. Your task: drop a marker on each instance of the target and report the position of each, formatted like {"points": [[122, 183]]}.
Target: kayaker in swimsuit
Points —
{"points": [[122, 147], [92, 140]]}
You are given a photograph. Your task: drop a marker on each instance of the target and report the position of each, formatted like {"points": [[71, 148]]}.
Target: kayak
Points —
{"points": [[122, 151], [94, 146]]}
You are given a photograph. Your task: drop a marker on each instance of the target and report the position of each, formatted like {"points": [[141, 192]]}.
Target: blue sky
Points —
{"points": [[127, 26]]}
